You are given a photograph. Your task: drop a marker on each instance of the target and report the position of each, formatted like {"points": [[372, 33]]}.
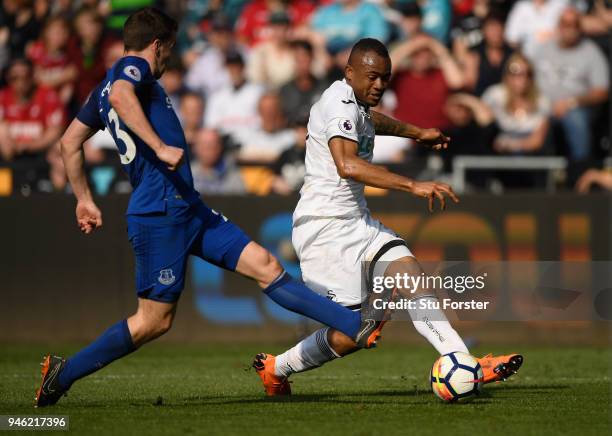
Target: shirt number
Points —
{"points": [[130, 147]]}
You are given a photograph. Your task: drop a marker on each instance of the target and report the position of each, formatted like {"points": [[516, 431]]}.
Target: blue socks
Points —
{"points": [[114, 343], [296, 297]]}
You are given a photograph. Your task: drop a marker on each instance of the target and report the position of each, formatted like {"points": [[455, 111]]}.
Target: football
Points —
{"points": [[456, 377]]}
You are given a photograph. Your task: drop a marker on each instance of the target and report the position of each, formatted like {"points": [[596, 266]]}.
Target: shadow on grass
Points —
{"points": [[356, 398]]}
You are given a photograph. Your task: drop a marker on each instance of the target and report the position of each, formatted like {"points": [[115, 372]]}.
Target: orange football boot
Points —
{"points": [[273, 384], [499, 368]]}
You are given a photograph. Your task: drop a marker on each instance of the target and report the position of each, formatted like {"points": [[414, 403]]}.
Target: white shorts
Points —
{"points": [[332, 252]]}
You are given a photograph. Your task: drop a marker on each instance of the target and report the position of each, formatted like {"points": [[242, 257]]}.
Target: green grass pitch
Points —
{"points": [[189, 389]]}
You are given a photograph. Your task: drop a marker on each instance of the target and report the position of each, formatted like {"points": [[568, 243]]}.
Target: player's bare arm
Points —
{"points": [[351, 166], [387, 126], [124, 100], [89, 217]]}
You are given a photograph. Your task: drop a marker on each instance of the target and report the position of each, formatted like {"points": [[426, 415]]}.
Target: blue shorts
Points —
{"points": [[163, 242]]}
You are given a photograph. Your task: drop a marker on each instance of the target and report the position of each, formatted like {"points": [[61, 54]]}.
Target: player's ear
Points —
{"points": [[348, 72]]}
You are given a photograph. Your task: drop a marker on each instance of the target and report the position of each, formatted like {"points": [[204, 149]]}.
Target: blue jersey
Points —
{"points": [[154, 185]]}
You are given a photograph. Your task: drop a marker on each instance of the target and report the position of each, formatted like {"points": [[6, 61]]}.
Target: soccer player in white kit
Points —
{"points": [[333, 231]]}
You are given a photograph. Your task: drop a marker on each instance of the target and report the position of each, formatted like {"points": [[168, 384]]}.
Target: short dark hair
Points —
{"points": [[145, 26], [367, 45]]}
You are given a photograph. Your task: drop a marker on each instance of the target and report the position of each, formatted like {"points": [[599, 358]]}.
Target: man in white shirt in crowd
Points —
{"points": [[233, 109], [533, 22]]}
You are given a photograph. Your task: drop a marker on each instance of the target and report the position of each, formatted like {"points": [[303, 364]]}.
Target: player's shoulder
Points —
{"points": [[339, 94], [132, 68]]}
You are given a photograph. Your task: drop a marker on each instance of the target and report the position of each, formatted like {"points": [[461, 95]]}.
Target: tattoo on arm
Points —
{"points": [[387, 126]]}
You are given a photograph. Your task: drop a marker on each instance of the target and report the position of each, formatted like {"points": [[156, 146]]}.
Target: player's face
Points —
{"points": [[369, 78], [162, 54]]}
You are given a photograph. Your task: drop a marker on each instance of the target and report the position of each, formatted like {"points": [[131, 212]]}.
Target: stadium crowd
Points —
{"points": [[500, 77]]}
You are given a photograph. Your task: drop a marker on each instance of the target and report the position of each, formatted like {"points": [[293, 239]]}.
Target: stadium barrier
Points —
{"points": [[58, 284], [551, 165]]}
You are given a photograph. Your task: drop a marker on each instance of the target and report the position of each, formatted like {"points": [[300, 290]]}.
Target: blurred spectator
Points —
{"points": [[208, 73], [31, 116], [213, 171], [411, 21], [520, 111], [52, 66], [265, 142], [339, 59], [271, 62], [304, 90], [533, 22], [597, 19], [198, 20], [574, 75], [252, 24], [118, 11], [290, 168], [20, 24], [389, 149], [233, 108], [594, 177], [346, 21], [88, 50], [172, 80], [471, 127], [466, 29], [483, 66], [437, 16], [424, 82], [191, 114]]}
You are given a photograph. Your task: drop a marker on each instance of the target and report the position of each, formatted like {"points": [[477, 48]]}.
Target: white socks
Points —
{"points": [[310, 353], [315, 350], [434, 326]]}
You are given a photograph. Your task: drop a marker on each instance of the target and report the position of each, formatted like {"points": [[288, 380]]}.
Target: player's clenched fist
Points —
{"points": [[89, 217], [171, 156], [432, 190], [433, 138]]}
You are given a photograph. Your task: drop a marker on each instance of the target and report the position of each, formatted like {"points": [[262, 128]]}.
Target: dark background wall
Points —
{"points": [[57, 283]]}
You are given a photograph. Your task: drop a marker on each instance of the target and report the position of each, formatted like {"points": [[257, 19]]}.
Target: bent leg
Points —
{"points": [[259, 264], [151, 320]]}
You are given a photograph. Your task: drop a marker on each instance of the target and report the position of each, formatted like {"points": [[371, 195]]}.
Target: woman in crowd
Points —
{"points": [[53, 66], [483, 65], [520, 111]]}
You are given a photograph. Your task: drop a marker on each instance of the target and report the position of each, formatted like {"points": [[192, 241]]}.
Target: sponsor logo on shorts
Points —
{"points": [[166, 277]]}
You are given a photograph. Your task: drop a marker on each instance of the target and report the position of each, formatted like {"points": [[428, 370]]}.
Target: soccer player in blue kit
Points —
{"points": [[167, 221]]}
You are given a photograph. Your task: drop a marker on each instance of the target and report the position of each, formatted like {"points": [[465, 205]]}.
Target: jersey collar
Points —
{"points": [[361, 104]]}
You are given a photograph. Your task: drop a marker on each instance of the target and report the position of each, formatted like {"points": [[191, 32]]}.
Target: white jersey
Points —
{"points": [[325, 193]]}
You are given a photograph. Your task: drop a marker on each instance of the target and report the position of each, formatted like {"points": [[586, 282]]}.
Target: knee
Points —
{"points": [[145, 328], [162, 326]]}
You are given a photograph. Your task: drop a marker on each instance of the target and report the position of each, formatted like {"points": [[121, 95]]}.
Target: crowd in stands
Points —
{"points": [[506, 78]]}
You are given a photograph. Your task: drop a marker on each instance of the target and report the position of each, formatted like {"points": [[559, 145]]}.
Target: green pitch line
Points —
{"points": [[173, 389]]}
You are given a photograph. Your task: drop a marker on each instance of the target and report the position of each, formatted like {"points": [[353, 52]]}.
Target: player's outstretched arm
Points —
{"points": [[88, 215], [387, 126], [350, 166], [123, 99]]}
